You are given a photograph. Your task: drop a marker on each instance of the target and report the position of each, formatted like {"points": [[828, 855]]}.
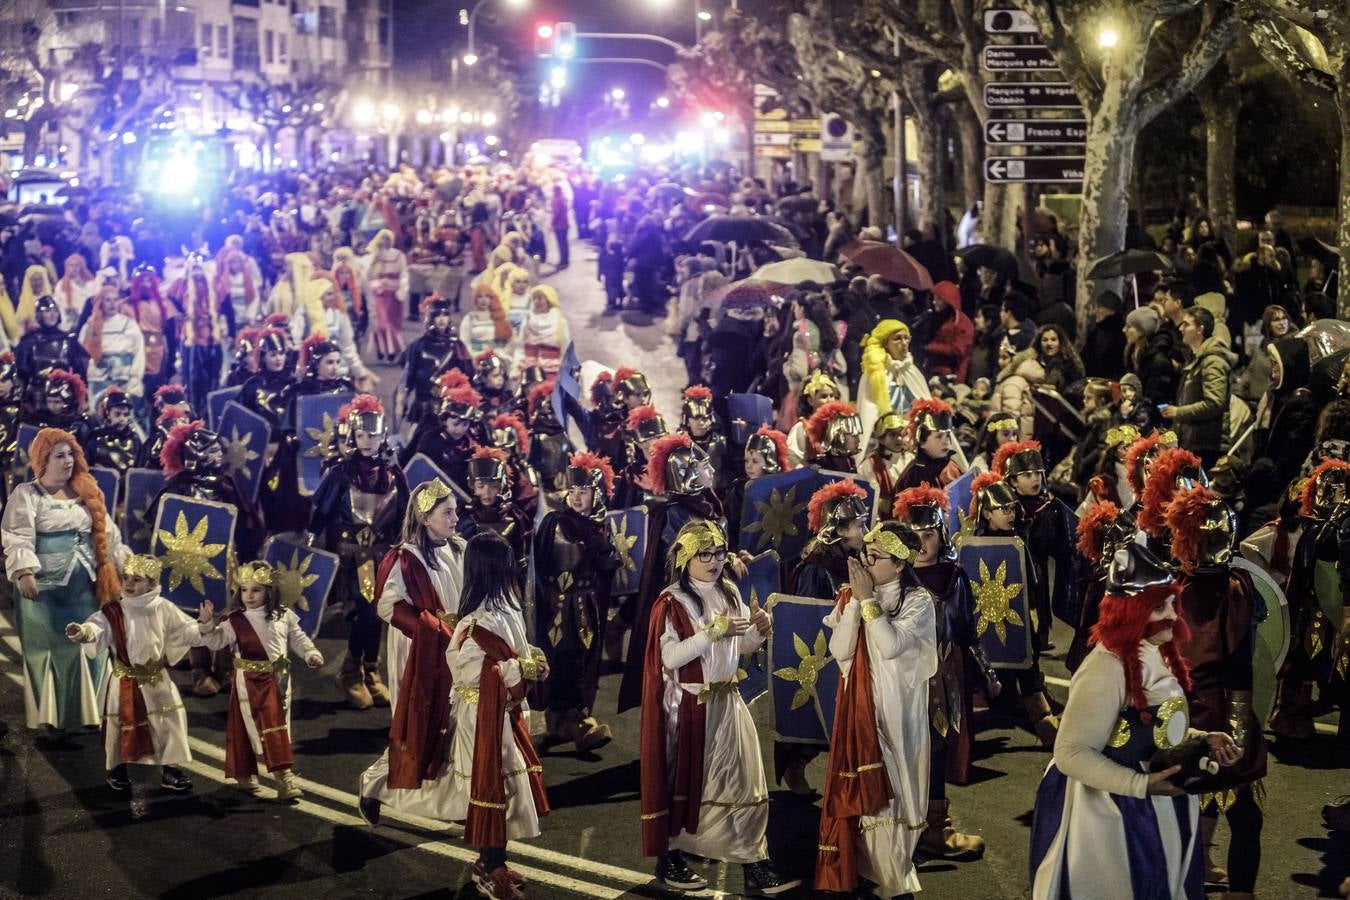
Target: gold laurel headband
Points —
{"points": [[704, 536], [253, 573], [889, 543], [432, 492], [143, 565]]}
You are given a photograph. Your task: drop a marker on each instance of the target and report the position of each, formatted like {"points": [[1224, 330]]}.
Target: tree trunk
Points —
{"points": [[1219, 103], [929, 152], [1343, 205], [972, 153], [872, 173]]}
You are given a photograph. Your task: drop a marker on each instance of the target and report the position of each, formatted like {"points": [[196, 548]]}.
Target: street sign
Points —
{"points": [[1006, 169], [1037, 94], [764, 139], [1008, 21], [836, 138], [1018, 58], [1049, 132]]}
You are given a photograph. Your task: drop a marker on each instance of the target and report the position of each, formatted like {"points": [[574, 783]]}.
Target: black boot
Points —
{"points": [[762, 881], [674, 872], [175, 780], [370, 810], [117, 778]]}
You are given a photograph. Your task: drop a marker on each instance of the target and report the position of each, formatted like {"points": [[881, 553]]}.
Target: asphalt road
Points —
{"points": [[63, 833]]}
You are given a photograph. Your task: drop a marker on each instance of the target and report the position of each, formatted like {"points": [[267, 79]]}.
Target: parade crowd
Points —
{"points": [[1167, 476]]}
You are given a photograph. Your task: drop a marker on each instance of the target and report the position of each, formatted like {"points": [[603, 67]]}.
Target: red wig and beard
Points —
{"points": [[1123, 624]]}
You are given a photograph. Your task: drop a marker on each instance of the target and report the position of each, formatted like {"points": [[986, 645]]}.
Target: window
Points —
{"points": [[269, 55], [132, 35], [328, 25], [223, 41], [206, 40], [281, 48], [245, 43]]}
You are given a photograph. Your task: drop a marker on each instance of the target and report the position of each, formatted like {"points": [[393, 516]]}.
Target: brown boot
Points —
{"points": [[794, 777], [1043, 722], [591, 735], [941, 840], [205, 685], [351, 681], [561, 725], [1291, 719], [379, 694], [1214, 873]]}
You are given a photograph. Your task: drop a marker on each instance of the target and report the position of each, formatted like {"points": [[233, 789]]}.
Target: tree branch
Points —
{"points": [[1277, 51], [1195, 65], [1068, 53]]}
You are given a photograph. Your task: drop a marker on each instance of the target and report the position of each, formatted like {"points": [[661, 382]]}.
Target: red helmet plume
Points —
{"points": [[277, 320], [819, 422], [981, 482], [307, 348], [361, 403], [1007, 450], [930, 406], [815, 508], [1134, 457], [170, 413], [1309, 492], [541, 391], [923, 495], [1090, 530], [697, 392], [171, 455], [624, 373], [780, 448], [595, 462], [491, 453], [451, 379], [77, 388], [1162, 486], [1185, 515], [506, 420], [463, 394], [656, 462], [601, 380], [640, 415]]}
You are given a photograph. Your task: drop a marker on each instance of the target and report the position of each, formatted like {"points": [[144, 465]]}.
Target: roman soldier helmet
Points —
{"points": [[171, 415], [631, 383], [772, 445], [1203, 529], [67, 387], [364, 413], [1013, 459], [677, 466], [889, 423], [187, 447], [830, 423], [273, 340], [646, 423], [529, 377], [1101, 532], [1174, 470], [834, 506], [1327, 487], [1139, 457], [485, 364], [924, 507], [926, 417], [171, 395], [508, 433], [315, 348], [696, 403], [245, 345], [46, 303], [489, 464], [435, 305], [602, 391], [593, 471], [540, 404], [113, 398], [988, 492], [459, 403], [1134, 569]]}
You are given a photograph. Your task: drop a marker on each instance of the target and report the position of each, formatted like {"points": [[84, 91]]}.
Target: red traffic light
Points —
{"points": [[545, 30]]}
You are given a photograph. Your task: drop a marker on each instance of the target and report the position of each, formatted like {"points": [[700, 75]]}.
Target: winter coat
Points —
{"points": [[1155, 370], [1202, 399], [948, 353], [1061, 314], [1104, 348], [1012, 395]]}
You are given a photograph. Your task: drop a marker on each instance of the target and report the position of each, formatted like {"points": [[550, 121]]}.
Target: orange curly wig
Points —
{"points": [[107, 584], [1122, 625]]}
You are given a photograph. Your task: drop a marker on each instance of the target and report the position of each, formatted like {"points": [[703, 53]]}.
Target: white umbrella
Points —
{"points": [[795, 271]]}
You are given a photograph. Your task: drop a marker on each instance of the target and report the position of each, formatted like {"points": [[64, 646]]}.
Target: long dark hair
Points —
{"points": [[816, 310], [686, 583], [491, 577]]}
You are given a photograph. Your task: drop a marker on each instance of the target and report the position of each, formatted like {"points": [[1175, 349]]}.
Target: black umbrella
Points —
{"points": [[43, 210], [73, 191], [1319, 249], [741, 229], [7, 221], [988, 256], [1129, 262]]}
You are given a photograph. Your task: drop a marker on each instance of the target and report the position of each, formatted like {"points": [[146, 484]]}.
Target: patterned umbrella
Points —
{"points": [[890, 262], [747, 293]]}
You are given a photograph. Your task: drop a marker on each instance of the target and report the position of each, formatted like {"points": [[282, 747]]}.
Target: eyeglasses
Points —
{"points": [[707, 556], [871, 557]]}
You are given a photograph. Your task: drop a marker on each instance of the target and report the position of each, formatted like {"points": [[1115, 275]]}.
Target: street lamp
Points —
{"points": [[616, 94], [489, 119], [363, 113], [1108, 37], [663, 102]]}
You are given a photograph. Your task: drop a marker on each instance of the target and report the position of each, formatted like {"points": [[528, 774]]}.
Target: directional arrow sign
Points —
{"points": [[1052, 132], [1038, 94], [1003, 169], [1018, 58]]}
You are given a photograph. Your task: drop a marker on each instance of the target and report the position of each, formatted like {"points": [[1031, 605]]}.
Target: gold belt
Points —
{"points": [[717, 689], [467, 693], [145, 674], [449, 618], [262, 665]]}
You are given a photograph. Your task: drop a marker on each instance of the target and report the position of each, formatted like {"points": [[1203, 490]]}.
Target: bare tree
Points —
{"points": [[276, 106]]}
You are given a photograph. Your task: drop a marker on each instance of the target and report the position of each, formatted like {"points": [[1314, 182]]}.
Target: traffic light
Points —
{"points": [[543, 40], [565, 40]]}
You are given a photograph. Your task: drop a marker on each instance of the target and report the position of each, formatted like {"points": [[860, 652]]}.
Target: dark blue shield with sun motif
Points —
{"points": [[758, 588], [959, 493], [829, 476], [303, 576], [316, 418], [628, 532], [244, 435], [804, 678], [773, 515], [420, 469], [566, 386], [215, 404], [23, 439], [997, 569], [746, 413], [193, 539], [108, 481], [142, 486]]}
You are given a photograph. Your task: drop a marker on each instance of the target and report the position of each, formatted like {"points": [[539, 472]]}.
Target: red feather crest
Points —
{"points": [[1185, 515], [6, 358], [485, 356], [594, 462], [1310, 486], [604, 378], [1134, 457], [245, 336], [451, 379], [169, 413], [465, 395], [981, 482], [923, 495], [361, 403], [1007, 450], [496, 453], [1090, 530], [780, 448], [277, 321], [171, 456], [308, 346], [169, 390], [506, 420], [656, 463], [697, 392], [820, 419], [643, 413], [541, 391], [930, 405], [1162, 485], [815, 508], [624, 373], [76, 385]]}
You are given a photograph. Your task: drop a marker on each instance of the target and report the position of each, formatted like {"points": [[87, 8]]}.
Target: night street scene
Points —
{"points": [[714, 448]]}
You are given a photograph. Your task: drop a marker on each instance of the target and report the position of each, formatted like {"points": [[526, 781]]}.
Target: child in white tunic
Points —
{"points": [[144, 723]]}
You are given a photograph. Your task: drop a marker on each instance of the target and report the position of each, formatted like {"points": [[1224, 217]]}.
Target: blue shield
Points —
{"points": [[829, 476], [773, 516], [107, 480], [142, 487], [997, 567], [420, 469], [758, 588], [566, 383], [193, 539], [628, 531], [23, 441], [959, 494], [304, 576], [316, 418], [215, 404], [805, 678], [747, 412], [244, 435]]}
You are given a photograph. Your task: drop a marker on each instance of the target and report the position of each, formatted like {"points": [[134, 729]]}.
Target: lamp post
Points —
{"points": [[470, 57]]}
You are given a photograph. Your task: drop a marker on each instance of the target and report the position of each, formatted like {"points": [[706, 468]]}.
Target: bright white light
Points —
{"points": [[503, 153], [450, 114], [129, 137], [11, 113], [466, 117], [424, 117], [688, 142], [663, 102], [558, 77], [489, 119], [286, 108], [704, 15], [656, 153], [178, 175], [23, 101], [707, 120], [470, 59], [722, 136], [492, 140], [363, 113], [709, 207], [445, 136], [1107, 38], [391, 111], [544, 31], [617, 93], [719, 115], [69, 90], [637, 138], [464, 17], [317, 107], [876, 73], [626, 147]]}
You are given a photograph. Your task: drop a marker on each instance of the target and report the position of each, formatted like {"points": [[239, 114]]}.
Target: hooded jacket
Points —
{"points": [[948, 353], [1012, 395], [1202, 398]]}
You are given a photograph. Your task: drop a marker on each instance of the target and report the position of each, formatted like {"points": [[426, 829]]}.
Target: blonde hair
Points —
{"points": [[876, 361]]}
